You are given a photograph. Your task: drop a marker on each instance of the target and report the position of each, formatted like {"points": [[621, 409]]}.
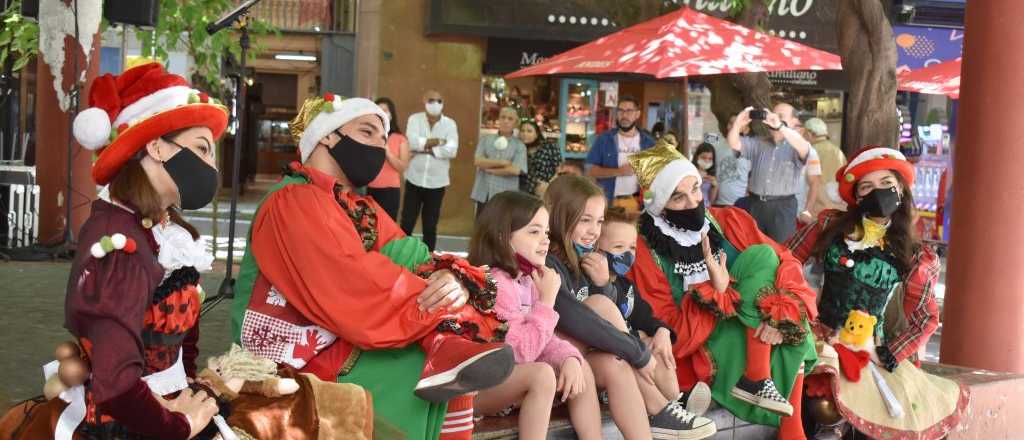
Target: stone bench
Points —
{"points": [[996, 412], [729, 427], [997, 403]]}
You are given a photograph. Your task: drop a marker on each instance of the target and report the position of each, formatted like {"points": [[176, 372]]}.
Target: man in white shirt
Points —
{"points": [[434, 142]]}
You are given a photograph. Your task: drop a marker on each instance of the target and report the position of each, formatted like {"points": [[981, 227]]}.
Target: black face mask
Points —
{"points": [[196, 180], [689, 219], [361, 163], [880, 202]]}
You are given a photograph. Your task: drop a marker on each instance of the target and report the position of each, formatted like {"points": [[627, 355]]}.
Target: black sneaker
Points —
{"points": [[697, 400], [676, 423], [762, 394]]}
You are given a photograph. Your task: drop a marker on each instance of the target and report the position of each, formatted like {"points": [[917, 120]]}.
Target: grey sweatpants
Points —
{"points": [[776, 218]]}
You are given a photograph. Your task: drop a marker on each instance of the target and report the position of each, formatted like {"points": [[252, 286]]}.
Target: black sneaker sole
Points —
{"points": [[485, 370]]}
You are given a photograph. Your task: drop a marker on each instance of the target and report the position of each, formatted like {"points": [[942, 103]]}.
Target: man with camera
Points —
{"points": [[777, 163]]}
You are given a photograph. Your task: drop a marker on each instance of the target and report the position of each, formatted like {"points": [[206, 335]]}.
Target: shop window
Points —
{"points": [[532, 98]]}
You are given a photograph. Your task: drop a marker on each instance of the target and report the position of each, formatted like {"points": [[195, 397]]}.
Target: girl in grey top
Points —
{"points": [[588, 315]]}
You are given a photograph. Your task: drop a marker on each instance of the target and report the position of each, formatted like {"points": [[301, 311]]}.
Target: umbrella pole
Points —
{"points": [[684, 122]]}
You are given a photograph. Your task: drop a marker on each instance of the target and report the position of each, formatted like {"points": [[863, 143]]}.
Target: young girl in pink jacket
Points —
{"points": [[511, 236]]}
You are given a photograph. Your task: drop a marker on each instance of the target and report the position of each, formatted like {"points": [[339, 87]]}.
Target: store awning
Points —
{"points": [[684, 43], [937, 79]]}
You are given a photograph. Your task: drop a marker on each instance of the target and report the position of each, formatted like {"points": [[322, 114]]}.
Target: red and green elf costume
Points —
{"points": [[716, 342], [316, 292]]}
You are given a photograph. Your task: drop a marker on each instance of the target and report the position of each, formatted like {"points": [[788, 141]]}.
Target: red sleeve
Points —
{"points": [[692, 324], [106, 303], [806, 238], [190, 351], [741, 230], [141, 413], [308, 248], [919, 307]]}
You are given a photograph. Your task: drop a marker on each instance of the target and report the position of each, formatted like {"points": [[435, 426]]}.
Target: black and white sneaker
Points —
{"points": [[762, 394], [697, 400], [676, 423]]}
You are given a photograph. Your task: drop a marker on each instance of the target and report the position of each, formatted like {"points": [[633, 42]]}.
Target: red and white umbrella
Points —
{"points": [[684, 43], [937, 79]]}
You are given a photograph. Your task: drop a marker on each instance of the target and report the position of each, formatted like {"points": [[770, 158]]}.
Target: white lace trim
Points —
{"points": [[683, 237], [178, 249], [693, 274]]}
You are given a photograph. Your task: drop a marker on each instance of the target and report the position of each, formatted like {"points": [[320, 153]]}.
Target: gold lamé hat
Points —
{"points": [[648, 163], [310, 108]]}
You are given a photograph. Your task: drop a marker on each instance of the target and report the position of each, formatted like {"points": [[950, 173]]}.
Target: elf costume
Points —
{"points": [[133, 293], [767, 287], [862, 273], [315, 291]]}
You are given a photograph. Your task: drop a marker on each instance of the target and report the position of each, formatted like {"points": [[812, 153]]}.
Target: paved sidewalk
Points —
{"points": [[32, 300]]}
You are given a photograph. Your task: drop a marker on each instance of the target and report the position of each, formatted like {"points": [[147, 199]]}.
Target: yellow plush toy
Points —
{"points": [[858, 331]]}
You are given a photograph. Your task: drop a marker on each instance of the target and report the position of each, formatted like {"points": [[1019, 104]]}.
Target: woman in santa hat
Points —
{"points": [[876, 263], [133, 294]]}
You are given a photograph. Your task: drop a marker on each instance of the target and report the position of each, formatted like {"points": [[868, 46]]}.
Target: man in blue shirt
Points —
{"points": [[608, 156]]}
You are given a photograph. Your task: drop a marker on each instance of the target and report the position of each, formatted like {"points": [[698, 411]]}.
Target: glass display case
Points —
{"points": [[578, 116], [275, 145]]}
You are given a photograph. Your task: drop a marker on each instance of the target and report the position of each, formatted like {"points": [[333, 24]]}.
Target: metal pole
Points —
{"points": [[69, 239], [227, 288]]}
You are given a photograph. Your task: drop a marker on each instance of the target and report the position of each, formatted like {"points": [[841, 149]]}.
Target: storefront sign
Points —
{"points": [[507, 55], [810, 79], [918, 47], [810, 22], [564, 20], [795, 8]]}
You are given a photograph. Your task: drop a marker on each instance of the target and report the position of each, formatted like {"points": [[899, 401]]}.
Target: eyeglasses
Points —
{"points": [[433, 101], [627, 110]]}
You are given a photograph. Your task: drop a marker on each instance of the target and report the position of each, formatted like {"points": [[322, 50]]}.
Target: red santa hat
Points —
{"points": [[143, 103], [869, 159]]}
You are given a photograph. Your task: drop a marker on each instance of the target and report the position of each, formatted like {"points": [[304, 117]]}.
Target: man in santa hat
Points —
{"points": [[317, 292], [736, 299]]}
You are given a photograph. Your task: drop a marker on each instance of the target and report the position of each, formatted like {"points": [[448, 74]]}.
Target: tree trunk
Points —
{"points": [[868, 51], [52, 132], [733, 92]]}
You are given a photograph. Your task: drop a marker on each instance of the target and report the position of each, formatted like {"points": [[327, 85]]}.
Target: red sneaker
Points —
{"points": [[457, 366]]}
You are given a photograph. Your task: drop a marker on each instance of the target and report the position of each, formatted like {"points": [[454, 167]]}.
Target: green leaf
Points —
{"points": [[18, 65]]}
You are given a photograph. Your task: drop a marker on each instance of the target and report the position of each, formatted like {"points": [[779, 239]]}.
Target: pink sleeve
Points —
{"points": [[528, 332], [557, 351]]}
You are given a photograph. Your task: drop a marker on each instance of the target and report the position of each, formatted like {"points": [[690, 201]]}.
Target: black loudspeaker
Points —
{"points": [[137, 12], [30, 8]]}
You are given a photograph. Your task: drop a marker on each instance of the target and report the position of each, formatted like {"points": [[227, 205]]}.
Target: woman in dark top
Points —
{"points": [[588, 314], [133, 294], [704, 159], [543, 159]]}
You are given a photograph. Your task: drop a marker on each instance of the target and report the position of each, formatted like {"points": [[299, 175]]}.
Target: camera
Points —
{"points": [[758, 114]]}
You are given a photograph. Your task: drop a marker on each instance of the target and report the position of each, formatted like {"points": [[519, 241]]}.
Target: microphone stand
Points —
{"points": [[227, 287]]}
